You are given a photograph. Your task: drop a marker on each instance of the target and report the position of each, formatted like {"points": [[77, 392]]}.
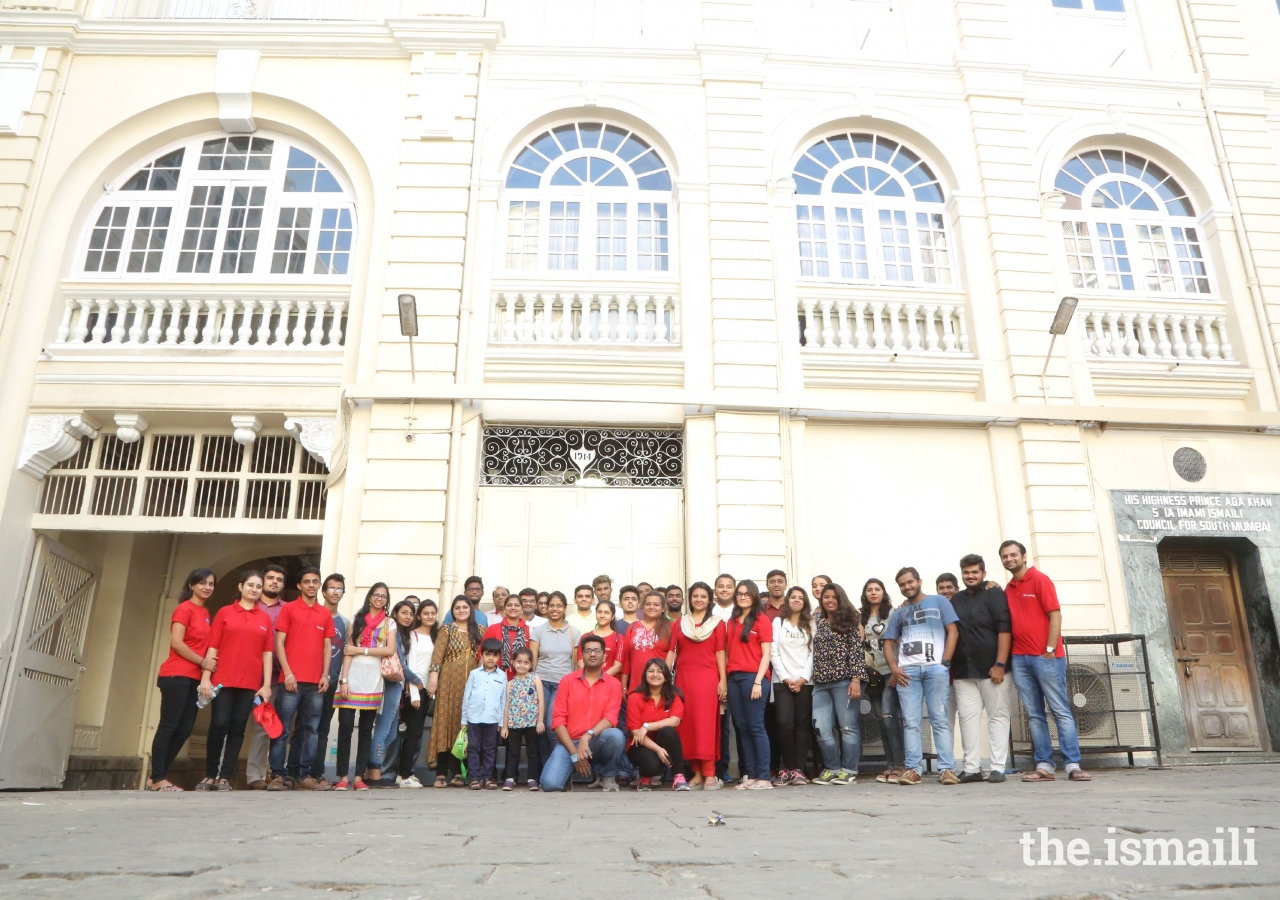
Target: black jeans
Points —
{"points": [[794, 712], [482, 751], [528, 737], [447, 765], [347, 722], [415, 722], [177, 719], [229, 714], [647, 761], [771, 729], [315, 766]]}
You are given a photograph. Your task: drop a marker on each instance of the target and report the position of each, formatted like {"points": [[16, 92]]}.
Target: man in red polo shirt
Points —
{"points": [[1040, 664], [585, 717], [304, 636]]}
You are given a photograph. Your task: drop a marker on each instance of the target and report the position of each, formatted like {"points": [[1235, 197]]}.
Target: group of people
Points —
{"points": [[641, 691]]}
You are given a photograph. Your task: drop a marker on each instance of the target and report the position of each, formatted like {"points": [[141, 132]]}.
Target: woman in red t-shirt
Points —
{"points": [[179, 676], [241, 644], [654, 711], [698, 652], [750, 641], [605, 613]]}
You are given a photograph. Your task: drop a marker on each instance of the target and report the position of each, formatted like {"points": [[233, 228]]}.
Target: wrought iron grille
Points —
{"points": [[619, 457]]}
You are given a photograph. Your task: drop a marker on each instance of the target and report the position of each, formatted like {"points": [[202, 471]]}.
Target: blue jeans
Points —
{"points": [[1039, 682], [885, 705], [748, 720], [606, 749], [547, 739], [384, 727], [305, 703], [832, 710], [928, 686]]}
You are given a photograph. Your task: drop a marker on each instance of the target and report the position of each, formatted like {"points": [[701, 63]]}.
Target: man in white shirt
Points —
{"points": [[722, 608], [529, 608], [583, 617]]}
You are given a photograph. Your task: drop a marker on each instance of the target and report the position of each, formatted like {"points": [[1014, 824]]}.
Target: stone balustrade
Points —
{"points": [[222, 323], [584, 318], [873, 326], [1145, 334]]}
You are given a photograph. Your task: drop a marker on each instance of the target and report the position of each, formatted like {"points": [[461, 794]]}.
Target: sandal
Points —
{"points": [[1077, 775], [1038, 775], [743, 785], [457, 782], [169, 788], [222, 785], [441, 782], [205, 785]]}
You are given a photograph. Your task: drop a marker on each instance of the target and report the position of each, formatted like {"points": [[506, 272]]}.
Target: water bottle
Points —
{"points": [[201, 703]]}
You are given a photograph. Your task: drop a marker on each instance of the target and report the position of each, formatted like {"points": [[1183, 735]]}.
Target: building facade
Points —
{"points": [[698, 287]]}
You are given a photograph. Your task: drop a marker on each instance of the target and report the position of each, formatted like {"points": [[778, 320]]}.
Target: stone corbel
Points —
{"points": [[246, 429], [129, 427], [316, 435], [233, 84], [51, 439]]}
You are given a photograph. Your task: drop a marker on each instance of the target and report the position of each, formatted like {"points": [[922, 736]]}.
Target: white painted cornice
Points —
{"points": [[50, 439]]}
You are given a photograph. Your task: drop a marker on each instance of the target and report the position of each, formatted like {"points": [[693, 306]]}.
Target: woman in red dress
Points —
{"points": [[605, 613], [698, 655], [649, 637]]}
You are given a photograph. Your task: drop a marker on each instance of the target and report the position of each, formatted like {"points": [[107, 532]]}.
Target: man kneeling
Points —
{"points": [[584, 717]]}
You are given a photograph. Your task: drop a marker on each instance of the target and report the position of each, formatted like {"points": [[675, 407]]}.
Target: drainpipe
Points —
{"points": [[448, 572], [1224, 167]]}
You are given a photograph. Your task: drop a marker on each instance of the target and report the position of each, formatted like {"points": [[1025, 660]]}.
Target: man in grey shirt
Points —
{"points": [[553, 644]]}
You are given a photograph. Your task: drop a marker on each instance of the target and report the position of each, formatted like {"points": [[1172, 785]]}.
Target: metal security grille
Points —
{"points": [[198, 476], [619, 457]]}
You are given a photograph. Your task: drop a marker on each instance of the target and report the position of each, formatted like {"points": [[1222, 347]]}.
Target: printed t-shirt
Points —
{"points": [[920, 629]]}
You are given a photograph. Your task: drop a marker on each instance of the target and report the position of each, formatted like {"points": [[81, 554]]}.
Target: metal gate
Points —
{"points": [[42, 687]]}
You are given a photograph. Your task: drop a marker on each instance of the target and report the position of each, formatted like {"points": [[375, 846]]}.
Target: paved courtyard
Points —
{"points": [[871, 840]]}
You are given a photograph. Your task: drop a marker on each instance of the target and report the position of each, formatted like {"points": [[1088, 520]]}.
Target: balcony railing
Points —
{"points": [[581, 318], [1157, 335], [221, 323], [865, 326], [313, 10]]}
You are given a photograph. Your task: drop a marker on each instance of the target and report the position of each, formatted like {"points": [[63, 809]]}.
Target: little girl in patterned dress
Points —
{"points": [[523, 719]]}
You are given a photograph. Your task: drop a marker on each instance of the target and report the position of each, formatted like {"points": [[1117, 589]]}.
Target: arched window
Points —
{"points": [[595, 181], [869, 211], [222, 208], [1129, 227]]}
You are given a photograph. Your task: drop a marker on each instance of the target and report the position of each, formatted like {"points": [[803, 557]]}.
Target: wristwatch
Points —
{"points": [[574, 759], [591, 732], [1000, 664], [946, 664]]}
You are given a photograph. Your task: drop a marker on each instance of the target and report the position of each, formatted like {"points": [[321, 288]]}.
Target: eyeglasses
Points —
{"points": [[335, 590], [379, 597], [586, 650]]}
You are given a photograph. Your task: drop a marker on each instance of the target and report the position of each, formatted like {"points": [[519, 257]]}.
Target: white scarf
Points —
{"points": [[701, 632]]}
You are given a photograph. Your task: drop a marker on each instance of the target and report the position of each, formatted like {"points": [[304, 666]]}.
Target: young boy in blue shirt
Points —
{"points": [[482, 716]]}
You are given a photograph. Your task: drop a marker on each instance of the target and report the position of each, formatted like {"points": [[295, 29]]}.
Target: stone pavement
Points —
{"points": [[874, 841]]}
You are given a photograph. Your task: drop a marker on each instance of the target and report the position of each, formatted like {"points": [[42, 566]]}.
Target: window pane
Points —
{"points": [[895, 246], [651, 237], [935, 253], [1114, 255], [333, 250], [244, 223], [293, 228], [1191, 267], [1157, 260], [149, 236], [611, 235], [811, 229], [562, 236], [106, 240], [522, 234], [851, 241], [201, 232], [1080, 262]]}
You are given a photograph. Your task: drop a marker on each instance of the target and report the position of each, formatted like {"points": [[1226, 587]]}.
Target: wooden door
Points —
{"points": [[1212, 649]]}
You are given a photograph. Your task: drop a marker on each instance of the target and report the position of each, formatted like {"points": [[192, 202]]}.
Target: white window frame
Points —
{"points": [[179, 201], [1130, 221], [871, 204], [587, 196]]}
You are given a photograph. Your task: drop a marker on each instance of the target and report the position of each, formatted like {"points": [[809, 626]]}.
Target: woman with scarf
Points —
{"points": [[512, 631], [455, 654], [699, 646], [360, 685]]}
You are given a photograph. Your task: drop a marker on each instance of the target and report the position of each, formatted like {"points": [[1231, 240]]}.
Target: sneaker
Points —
{"points": [[843, 777], [713, 784], [609, 785], [257, 785], [728, 780], [782, 779], [948, 777], [341, 785], [995, 777], [797, 778], [970, 777], [909, 777], [360, 785], [509, 784], [276, 783], [679, 784], [826, 778], [644, 784], [595, 784], [399, 781], [310, 784], [411, 782], [534, 786]]}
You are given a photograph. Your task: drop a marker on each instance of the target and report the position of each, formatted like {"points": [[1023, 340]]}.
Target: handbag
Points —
{"points": [[875, 681], [391, 670]]}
